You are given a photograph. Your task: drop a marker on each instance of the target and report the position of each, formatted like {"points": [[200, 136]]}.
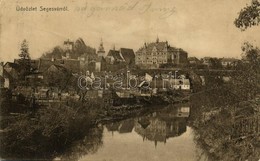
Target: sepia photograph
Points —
{"points": [[130, 80]]}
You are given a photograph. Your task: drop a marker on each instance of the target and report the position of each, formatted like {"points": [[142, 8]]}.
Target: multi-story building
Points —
{"points": [[157, 53]]}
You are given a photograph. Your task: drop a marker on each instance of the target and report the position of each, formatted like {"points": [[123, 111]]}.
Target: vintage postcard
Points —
{"points": [[130, 80]]}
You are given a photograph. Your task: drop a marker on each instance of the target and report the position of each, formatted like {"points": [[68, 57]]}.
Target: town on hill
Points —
{"points": [[74, 89]]}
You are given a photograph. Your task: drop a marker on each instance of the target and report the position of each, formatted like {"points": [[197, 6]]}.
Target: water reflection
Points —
{"points": [[163, 134], [162, 125], [89, 145], [158, 126], [210, 128]]}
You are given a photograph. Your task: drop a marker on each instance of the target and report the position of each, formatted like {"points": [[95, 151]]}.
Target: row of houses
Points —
{"points": [[102, 60], [150, 55]]}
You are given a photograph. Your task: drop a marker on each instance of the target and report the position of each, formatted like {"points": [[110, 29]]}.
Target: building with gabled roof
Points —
{"points": [[57, 73], [156, 53], [12, 69], [128, 55], [114, 57], [124, 55], [71, 64]]}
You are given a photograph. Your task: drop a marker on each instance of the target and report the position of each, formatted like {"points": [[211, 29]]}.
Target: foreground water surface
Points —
{"points": [[150, 138], [203, 129]]}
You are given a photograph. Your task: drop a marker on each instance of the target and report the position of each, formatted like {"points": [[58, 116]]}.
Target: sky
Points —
{"points": [[200, 27]]}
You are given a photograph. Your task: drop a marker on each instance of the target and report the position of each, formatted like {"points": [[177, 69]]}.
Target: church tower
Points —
{"points": [[101, 50], [157, 39]]}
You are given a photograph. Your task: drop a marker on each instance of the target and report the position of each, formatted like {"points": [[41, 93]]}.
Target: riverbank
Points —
{"points": [[49, 131]]}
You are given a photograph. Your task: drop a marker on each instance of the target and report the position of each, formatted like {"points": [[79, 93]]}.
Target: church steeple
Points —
{"points": [[101, 47], [114, 47], [157, 39], [101, 50]]}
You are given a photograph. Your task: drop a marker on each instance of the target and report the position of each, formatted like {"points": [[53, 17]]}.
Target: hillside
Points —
{"points": [[79, 48]]}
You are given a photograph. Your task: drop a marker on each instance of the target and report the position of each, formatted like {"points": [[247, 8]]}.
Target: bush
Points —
{"points": [[49, 131]]}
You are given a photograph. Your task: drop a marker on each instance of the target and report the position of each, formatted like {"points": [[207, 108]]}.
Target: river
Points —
{"points": [[158, 136], [212, 126], [201, 130]]}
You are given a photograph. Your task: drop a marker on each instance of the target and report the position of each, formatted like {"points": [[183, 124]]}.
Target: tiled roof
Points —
{"points": [[116, 55], [61, 68], [193, 59], [44, 64], [128, 54], [160, 46], [12, 65], [6, 74], [70, 64]]}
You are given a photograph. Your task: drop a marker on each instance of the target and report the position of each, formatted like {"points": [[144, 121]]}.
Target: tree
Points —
{"points": [[58, 76], [248, 16], [25, 60], [57, 52], [246, 82], [215, 63], [24, 50]]}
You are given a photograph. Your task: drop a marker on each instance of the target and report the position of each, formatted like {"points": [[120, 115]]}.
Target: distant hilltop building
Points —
{"points": [[68, 45], [158, 53]]}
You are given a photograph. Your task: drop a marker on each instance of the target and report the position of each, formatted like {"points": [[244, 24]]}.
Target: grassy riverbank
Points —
{"points": [[46, 132]]}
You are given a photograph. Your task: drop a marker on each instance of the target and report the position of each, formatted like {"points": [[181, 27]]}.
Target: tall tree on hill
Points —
{"points": [[24, 54], [25, 60]]}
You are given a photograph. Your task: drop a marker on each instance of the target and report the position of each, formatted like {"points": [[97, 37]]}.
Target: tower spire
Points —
{"points": [[101, 50], [114, 47], [157, 39]]}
